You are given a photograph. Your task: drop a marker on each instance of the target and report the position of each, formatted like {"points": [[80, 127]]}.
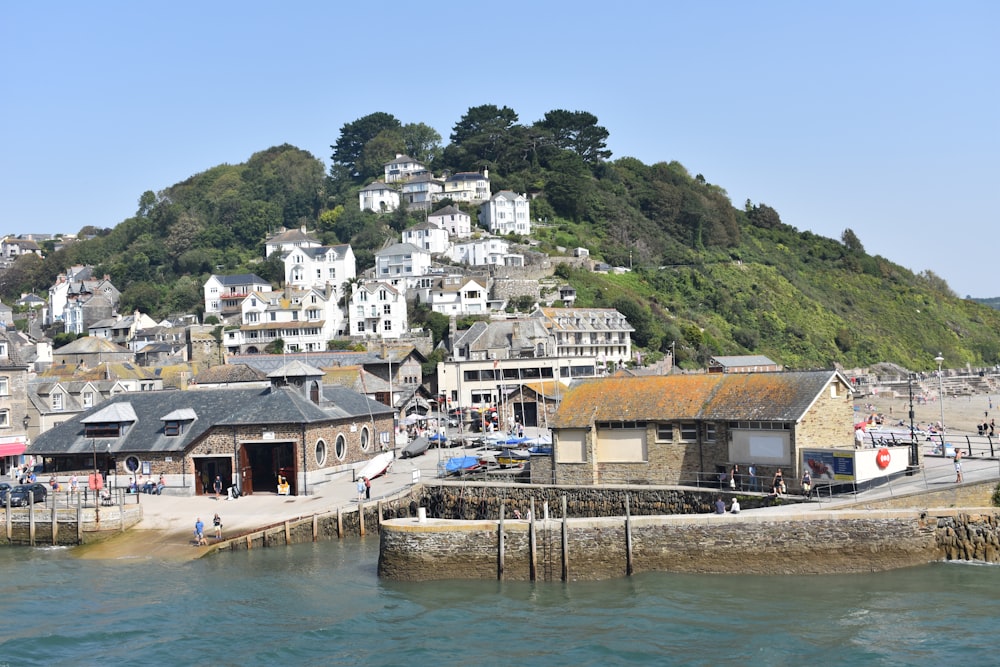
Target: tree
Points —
{"points": [[763, 216], [348, 150], [851, 241], [579, 132], [481, 137], [423, 143]]}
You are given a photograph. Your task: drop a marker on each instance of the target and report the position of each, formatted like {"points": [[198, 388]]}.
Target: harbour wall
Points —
{"points": [[600, 548], [72, 526]]}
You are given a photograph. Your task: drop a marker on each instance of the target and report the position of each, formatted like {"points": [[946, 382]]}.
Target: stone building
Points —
{"points": [[304, 432], [686, 429]]}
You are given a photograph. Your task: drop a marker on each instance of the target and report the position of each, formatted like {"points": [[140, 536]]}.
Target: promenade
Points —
{"points": [[167, 528]]}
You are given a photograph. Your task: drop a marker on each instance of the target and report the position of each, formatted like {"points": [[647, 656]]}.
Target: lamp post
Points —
{"points": [[95, 487], [914, 451], [940, 360]]}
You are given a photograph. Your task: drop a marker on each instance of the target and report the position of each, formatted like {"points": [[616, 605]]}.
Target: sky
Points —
{"points": [[881, 117]]}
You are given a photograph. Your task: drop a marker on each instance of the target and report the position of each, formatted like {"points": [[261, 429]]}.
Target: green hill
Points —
{"points": [[708, 278]]}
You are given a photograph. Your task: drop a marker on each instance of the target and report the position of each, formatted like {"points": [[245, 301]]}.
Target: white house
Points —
{"points": [[427, 235], [377, 310], [506, 213], [453, 220], [378, 197], [402, 260], [224, 294], [290, 239], [304, 319], [319, 266], [421, 190], [401, 168], [602, 333], [454, 295], [485, 252], [467, 186]]}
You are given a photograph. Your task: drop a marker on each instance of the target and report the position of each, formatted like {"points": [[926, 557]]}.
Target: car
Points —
{"points": [[4, 489], [19, 494]]}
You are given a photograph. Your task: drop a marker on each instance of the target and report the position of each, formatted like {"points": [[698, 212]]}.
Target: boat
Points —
{"points": [[501, 441], [438, 439], [512, 457], [457, 465], [376, 466], [416, 447]]}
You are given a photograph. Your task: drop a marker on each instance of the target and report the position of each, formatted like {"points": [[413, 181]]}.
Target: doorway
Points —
{"points": [[207, 468], [261, 463]]}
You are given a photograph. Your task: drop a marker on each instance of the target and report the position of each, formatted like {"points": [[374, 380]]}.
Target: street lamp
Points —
{"points": [[914, 450], [940, 360]]}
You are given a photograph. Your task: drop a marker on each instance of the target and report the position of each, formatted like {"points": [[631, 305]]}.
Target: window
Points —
{"points": [[88, 399], [387, 309], [171, 428], [340, 449], [4, 418], [689, 431], [665, 432], [57, 401], [710, 432], [104, 430], [387, 325], [320, 452], [4, 386], [365, 439]]}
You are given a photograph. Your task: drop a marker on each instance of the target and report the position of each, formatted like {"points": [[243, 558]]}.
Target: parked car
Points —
{"points": [[4, 489], [19, 494]]}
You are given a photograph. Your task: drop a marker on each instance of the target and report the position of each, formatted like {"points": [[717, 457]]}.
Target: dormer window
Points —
{"points": [[171, 428], [102, 430]]}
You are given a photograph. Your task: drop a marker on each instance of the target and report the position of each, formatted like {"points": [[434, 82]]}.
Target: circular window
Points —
{"points": [[320, 452], [132, 463], [341, 447], [365, 440]]}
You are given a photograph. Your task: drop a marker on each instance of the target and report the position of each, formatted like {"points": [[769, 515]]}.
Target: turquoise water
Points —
{"points": [[322, 604]]}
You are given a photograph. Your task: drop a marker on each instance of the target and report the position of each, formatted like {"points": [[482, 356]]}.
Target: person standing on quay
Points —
{"points": [[217, 485], [368, 488], [958, 465], [361, 488], [217, 522], [199, 532]]}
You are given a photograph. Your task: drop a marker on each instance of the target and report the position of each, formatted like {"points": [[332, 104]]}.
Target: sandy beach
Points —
{"points": [[961, 414]]}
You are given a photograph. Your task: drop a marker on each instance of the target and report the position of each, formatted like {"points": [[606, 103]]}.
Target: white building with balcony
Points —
{"points": [[600, 333], [467, 186], [506, 213], [377, 310], [304, 319], [454, 295], [428, 236], [402, 168], [452, 220], [485, 252], [421, 191], [400, 261], [378, 197], [289, 239], [224, 295], [319, 266]]}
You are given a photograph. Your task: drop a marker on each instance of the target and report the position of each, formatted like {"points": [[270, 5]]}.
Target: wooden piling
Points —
{"points": [[533, 546], [55, 525], [340, 524], [500, 546], [31, 518], [315, 527], [565, 542], [288, 533], [361, 518], [79, 519], [628, 537]]}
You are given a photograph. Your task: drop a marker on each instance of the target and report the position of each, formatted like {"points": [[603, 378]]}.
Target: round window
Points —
{"points": [[132, 463], [341, 447], [365, 440], [320, 452]]}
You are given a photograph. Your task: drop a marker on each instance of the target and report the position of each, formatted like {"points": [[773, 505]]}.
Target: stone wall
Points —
{"points": [[72, 526]]}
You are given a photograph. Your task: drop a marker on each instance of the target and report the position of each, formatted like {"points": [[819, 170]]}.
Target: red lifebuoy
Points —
{"points": [[882, 458]]}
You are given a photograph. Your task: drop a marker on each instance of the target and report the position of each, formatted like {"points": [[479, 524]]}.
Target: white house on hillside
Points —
{"points": [[401, 168], [402, 260], [319, 266], [452, 220], [304, 319], [428, 236], [485, 252], [467, 186], [454, 295], [290, 239], [377, 310], [506, 213], [420, 191], [224, 294], [378, 197]]}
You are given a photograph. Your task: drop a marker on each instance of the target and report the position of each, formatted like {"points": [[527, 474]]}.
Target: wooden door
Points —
{"points": [[246, 473]]}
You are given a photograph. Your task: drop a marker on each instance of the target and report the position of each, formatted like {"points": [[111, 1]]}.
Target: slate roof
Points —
{"points": [[344, 403], [291, 236], [229, 373], [91, 345], [449, 210], [784, 396], [213, 407], [744, 360], [241, 279]]}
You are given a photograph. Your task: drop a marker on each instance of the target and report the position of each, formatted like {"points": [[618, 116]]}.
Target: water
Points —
{"points": [[321, 604]]}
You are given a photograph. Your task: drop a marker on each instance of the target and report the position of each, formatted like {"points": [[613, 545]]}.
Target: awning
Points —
{"points": [[12, 449]]}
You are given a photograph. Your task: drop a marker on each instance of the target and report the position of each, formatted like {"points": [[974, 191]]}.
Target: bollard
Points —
{"points": [[421, 515]]}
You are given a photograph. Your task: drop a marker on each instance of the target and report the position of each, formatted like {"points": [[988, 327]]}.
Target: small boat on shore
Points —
{"points": [[416, 447], [512, 457], [376, 466], [458, 465]]}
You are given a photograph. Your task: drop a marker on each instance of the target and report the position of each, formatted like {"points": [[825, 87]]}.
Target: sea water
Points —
{"points": [[322, 604]]}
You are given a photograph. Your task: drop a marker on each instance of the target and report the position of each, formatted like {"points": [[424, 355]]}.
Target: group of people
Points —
{"points": [[364, 489], [987, 428], [199, 530]]}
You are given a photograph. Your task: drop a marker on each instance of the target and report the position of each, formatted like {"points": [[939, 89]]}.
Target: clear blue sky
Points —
{"points": [[877, 116]]}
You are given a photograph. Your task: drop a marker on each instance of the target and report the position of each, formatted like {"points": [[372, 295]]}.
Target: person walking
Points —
{"points": [[958, 465], [368, 488], [217, 522], [217, 485], [361, 488], [199, 532], [752, 471], [807, 484]]}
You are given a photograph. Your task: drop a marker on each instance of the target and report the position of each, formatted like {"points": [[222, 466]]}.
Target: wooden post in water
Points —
{"points": [[55, 523], [79, 519], [10, 525], [361, 518], [288, 533], [379, 519], [628, 537], [315, 527], [31, 518], [340, 524], [532, 547], [565, 542], [249, 542], [500, 545], [121, 508]]}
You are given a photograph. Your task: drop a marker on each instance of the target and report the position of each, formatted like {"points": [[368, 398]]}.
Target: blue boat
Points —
{"points": [[459, 464]]}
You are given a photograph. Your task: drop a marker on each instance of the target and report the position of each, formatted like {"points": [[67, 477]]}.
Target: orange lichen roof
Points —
{"points": [[742, 396]]}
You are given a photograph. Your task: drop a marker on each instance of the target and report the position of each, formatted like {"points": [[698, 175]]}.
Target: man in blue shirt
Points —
{"points": [[199, 532]]}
